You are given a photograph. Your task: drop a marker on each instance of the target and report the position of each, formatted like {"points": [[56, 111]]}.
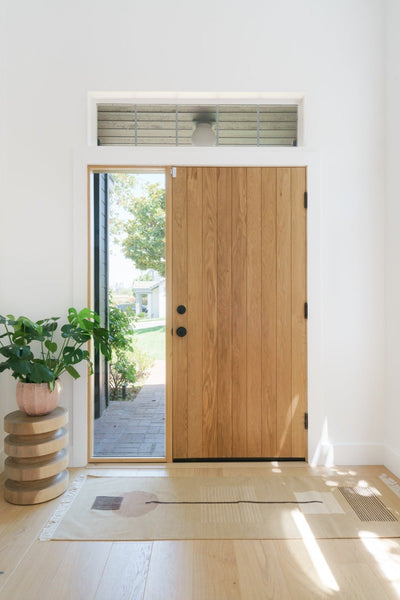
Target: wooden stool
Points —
{"points": [[36, 467]]}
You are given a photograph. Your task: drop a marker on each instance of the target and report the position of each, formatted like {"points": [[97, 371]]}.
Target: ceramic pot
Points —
{"points": [[36, 399]]}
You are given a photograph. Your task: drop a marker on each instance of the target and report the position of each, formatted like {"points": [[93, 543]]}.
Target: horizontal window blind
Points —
{"points": [[173, 125]]}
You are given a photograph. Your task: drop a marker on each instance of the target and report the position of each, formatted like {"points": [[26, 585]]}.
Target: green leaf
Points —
{"points": [[25, 329], [27, 323], [19, 366], [72, 356], [51, 346], [16, 351], [73, 316], [90, 367], [49, 328], [88, 325], [75, 333], [105, 349], [40, 374], [88, 318], [100, 333], [72, 371], [8, 351], [66, 330], [86, 313], [24, 353]]}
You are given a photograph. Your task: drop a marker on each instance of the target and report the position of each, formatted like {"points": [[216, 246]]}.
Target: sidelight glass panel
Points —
{"points": [[130, 415]]}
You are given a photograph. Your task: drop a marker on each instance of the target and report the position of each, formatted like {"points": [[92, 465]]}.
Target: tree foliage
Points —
{"points": [[144, 230]]}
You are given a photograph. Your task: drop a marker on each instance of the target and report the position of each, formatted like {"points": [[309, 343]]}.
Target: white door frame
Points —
{"points": [[217, 156]]}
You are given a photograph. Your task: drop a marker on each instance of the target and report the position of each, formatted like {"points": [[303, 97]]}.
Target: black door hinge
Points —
{"points": [[306, 310], [305, 420], [305, 200]]}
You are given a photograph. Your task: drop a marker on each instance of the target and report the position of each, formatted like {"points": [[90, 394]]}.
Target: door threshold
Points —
{"points": [[240, 459]]}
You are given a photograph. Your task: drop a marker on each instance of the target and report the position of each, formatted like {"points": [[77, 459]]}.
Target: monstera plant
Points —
{"points": [[37, 354]]}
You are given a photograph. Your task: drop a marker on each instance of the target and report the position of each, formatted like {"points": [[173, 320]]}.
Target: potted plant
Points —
{"points": [[36, 356]]}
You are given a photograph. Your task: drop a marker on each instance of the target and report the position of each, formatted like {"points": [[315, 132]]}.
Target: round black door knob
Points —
{"points": [[181, 309], [181, 331]]}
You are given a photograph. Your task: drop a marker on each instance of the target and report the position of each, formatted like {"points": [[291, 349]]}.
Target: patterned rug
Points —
{"points": [[268, 507]]}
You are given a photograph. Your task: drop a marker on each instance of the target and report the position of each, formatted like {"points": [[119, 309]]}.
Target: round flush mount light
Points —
{"points": [[204, 135]]}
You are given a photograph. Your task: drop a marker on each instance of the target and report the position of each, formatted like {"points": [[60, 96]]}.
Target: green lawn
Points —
{"points": [[152, 341]]}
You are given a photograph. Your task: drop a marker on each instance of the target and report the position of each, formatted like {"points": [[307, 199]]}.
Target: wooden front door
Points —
{"points": [[239, 375]]}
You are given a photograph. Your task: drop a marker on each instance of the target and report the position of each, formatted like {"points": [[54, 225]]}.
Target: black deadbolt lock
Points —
{"points": [[181, 309], [181, 331]]}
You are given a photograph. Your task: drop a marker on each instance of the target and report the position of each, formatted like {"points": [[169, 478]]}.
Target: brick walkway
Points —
{"points": [[135, 428]]}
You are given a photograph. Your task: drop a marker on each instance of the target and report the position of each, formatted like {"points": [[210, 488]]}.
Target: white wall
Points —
{"points": [[392, 312], [3, 167], [330, 51]]}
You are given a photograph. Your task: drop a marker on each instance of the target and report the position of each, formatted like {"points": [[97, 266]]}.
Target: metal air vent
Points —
{"points": [[366, 504]]}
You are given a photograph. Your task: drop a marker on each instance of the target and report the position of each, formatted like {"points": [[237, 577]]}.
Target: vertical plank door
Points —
{"points": [[239, 371]]}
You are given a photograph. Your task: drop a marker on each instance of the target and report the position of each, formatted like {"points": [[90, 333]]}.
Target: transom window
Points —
{"points": [[199, 125]]}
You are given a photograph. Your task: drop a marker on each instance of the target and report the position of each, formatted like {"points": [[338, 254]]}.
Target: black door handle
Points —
{"points": [[181, 309], [181, 331]]}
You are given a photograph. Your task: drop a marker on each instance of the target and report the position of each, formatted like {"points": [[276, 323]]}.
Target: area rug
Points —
{"points": [[179, 508]]}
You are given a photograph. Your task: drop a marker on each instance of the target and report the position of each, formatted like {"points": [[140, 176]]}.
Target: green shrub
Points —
{"points": [[122, 371], [121, 327], [122, 367], [142, 360]]}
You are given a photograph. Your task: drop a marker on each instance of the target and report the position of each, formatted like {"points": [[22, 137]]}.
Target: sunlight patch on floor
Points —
{"points": [[363, 489], [362, 483], [321, 566], [386, 553]]}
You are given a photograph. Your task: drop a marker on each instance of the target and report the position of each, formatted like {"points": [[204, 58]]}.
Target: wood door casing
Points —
{"points": [[239, 376]]}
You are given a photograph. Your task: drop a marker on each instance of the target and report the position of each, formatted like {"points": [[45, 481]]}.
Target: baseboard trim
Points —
{"points": [[392, 460], [358, 454]]}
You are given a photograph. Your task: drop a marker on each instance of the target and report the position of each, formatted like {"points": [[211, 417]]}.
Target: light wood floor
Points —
{"points": [[198, 569]]}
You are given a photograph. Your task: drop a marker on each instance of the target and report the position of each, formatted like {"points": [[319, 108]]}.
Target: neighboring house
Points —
{"points": [[154, 292]]}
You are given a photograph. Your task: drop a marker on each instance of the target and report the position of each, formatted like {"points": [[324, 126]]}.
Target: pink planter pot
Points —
{"points": [[36, 399]]}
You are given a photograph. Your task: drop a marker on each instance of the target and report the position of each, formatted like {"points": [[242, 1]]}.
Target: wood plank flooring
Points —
{"points": [[193, 569]]}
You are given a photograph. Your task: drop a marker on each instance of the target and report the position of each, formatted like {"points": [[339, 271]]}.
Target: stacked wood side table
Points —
{"points": [[37, 449]]}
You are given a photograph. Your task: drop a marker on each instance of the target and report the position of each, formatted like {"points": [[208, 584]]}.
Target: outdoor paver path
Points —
{"points": [[135, 428]]}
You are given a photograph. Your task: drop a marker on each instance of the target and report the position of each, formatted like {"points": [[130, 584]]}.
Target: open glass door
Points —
{"points": [[129, 412]]}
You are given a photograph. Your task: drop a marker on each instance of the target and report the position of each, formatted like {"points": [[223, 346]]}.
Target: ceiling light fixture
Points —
{"points": [[203, 135]]}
